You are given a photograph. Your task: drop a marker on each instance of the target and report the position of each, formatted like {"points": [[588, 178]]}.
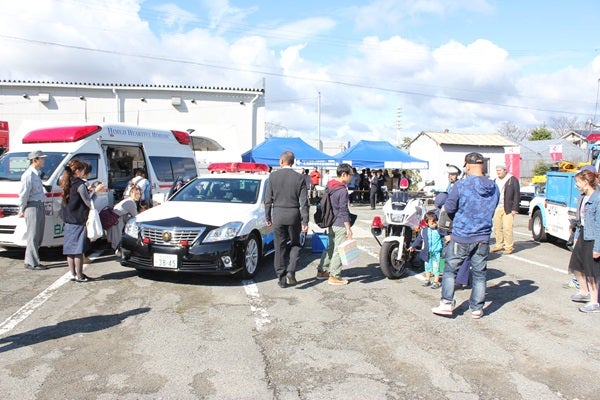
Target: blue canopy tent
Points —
{"points": [[371, 154], [268, 152]]}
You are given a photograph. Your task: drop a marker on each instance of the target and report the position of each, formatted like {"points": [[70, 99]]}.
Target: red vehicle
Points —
{"points": [[3, 136]]}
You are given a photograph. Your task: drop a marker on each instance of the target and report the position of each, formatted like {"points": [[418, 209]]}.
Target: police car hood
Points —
{"points": [[215, 214]]}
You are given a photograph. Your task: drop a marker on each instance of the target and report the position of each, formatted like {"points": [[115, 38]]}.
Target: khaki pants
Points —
{"points": [[330, 258], [503, 229]]}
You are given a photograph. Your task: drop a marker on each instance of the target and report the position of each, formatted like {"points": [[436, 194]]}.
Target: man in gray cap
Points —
{"points": [[31, 206]]}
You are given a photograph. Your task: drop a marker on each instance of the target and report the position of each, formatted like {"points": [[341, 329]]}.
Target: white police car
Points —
{"points": [[215, 224]]}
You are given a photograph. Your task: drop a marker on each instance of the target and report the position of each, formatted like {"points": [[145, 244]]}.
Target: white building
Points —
{"points": [[233, 117], [441, 148]]}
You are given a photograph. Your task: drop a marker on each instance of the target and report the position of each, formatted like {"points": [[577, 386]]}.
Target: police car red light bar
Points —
{"points": [[182, 137], [61, 134], [238, 167]]}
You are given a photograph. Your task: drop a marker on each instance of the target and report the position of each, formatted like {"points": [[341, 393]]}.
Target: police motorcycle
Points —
{"points": [[403, 219]]}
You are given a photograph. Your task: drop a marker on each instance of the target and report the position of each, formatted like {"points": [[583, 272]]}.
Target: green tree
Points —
{"points": [[541, 133], [541, 168]]}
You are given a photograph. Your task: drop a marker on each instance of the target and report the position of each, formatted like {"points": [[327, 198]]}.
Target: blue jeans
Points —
{"points": [[457, 252]]}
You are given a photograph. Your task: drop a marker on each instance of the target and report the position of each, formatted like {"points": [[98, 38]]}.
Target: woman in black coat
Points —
{"points": [[76, 203]]}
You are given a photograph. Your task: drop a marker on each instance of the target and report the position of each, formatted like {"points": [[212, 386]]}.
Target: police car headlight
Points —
{"points": [[132, 228], [225, 232]]}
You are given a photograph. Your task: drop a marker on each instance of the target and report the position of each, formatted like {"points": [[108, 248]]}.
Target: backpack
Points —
{"points": [[404, 183], [108, 217], [324, 215], [445, 220]]}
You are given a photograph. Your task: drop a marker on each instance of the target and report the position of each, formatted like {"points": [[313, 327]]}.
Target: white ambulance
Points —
{"points": [[113, 151]]}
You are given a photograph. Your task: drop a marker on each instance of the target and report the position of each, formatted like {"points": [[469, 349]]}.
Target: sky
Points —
{"points": [[342, 70]]}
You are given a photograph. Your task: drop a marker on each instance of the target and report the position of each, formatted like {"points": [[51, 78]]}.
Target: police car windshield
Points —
{"points": [[12, 165], [219, 190]]}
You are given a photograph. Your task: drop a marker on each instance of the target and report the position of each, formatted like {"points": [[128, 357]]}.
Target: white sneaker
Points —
{"points": [[445, 308]]}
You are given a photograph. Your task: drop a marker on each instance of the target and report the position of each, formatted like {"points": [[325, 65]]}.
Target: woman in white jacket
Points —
{"points": [[125, 209]]}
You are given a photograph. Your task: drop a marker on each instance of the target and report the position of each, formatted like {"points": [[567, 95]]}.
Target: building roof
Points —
{"points": [[583, 133], [541, 148], [468, 139], [130, 86]]}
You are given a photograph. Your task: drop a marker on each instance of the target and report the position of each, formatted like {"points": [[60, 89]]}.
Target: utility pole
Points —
{"points": [[319, 122], [399, 126]]}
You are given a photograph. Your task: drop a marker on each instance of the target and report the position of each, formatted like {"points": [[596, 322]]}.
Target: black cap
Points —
{"points": [[473, 158]]}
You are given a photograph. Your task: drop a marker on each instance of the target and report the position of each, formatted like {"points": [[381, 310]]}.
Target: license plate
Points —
{"points": [[165, 260]]}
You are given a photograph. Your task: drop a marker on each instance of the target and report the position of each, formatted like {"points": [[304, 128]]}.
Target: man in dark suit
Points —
{"points": [[286, 208]]}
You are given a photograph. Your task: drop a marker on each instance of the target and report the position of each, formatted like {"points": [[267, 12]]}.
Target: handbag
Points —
{"points": [[94, 225], [108, 217], [348, 252]]}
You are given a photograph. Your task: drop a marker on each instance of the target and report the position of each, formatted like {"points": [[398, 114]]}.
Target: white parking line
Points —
{"points": [[562, 271], [22, 313], [261, 316]]}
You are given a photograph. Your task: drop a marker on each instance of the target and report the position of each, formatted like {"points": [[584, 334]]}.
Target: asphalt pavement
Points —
{"points": [[177, 336]]}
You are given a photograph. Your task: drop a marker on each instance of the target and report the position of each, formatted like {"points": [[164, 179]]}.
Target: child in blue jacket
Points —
{"points": [[432, 243]]}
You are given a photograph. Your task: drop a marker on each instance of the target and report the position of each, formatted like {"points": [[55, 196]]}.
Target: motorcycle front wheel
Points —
{"points": [[390, 266]]}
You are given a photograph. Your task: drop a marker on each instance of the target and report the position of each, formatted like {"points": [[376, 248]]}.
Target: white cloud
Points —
{"points": [[299, 31], [223, 16], [175, 16], [362, 86], [390, 14]]}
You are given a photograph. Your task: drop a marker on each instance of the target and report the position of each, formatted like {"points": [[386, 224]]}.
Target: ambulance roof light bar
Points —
{"points": [[238, 167], [60, 134]]}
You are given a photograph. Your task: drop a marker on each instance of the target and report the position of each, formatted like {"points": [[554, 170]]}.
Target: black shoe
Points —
{"points": [[290, 279], [281, 282], [40, 266]]}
